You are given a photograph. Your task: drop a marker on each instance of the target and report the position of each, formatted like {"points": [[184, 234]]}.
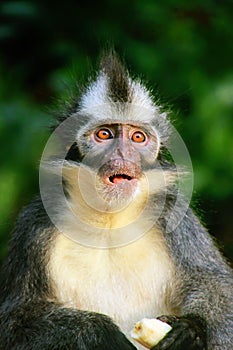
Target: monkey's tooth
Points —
{"points": [[149, 332]]}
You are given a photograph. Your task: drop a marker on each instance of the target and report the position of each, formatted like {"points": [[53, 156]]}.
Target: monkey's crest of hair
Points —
{"points": [[112, 94], [113, 84]]}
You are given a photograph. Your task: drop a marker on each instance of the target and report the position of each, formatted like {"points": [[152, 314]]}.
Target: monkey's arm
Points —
{"points": [[28, 320], [47, 326], [205, 291]]}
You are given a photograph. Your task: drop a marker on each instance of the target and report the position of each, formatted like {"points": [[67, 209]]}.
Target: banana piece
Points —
{"points": [[149, 331]]}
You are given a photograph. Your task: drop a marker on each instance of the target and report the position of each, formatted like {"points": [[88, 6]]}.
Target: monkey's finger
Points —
{"points": [[186, 333], [170, 319], [170, 341]]}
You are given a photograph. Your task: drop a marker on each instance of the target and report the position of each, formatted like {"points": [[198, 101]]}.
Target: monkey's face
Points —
{"points": [[119, 154], [104, 162]]}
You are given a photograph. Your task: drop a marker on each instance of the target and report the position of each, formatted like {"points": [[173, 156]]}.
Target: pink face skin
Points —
{"points": [[123, 163], [120, 153]]}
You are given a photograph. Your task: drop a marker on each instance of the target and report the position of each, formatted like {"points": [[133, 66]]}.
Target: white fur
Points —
{"points": [[126, 283], [96, 94], [97, 103]]}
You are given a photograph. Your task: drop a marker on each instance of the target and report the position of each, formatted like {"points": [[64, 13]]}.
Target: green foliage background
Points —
{"points": [[183, 49]]}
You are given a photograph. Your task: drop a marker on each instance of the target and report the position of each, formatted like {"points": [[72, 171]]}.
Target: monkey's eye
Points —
{"points": [[138, 136], [103, 134]]}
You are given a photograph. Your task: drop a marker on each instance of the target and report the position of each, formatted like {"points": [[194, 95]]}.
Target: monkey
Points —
{"points": [[110, 239]]}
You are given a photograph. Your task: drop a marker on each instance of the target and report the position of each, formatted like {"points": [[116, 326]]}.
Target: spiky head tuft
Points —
{"points": [[117, 77]]}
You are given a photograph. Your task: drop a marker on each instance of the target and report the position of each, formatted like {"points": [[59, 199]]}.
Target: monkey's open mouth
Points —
{"points": [[115, 179], [120, 172]]}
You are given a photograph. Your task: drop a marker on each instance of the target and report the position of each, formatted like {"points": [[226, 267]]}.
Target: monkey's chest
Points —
{"points": [[126, 284]]}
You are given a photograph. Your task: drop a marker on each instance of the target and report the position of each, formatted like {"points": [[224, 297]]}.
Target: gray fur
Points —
{"points": [[30, 319]]}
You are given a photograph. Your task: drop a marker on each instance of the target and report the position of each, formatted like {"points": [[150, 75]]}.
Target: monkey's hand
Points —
{"points": [[188, 332]]}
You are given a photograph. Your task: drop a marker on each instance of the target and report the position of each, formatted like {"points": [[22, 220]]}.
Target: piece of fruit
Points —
{"points": [[149, 332]]}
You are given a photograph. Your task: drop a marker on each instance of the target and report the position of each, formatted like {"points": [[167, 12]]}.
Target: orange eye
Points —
{"points": [[104, 134], [138, 136]]}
